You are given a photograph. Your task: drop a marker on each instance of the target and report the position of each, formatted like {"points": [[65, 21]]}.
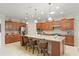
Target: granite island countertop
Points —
{"points": [[46, 37]]}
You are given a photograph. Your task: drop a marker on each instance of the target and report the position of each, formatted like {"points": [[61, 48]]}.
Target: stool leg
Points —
{"points": [[44, 53], [47, 53], [29, 49], [33, 49], [26, 46], [38, 52]]}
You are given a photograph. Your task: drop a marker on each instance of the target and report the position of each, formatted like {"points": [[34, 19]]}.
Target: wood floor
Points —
{"points": [[15, 49]]}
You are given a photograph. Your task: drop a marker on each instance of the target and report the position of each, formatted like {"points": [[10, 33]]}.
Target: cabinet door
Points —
{"points": [[69, 40], [44, 26], [41, 26], [38, 25], [55, 50], [63, 24], [56, 23], [14, 25], [67, 24], [18, 37], [10, 25], [71, 26], [9, 39], [48, 26]]}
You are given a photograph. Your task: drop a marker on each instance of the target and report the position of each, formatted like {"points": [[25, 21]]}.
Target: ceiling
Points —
{"points": [[38, 11]]}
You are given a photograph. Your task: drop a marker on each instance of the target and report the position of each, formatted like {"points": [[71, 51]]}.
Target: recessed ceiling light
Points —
{"points": [[36, 21], [26, 22], [42, 12], [52, 12], [61, 12], [57, 7]]}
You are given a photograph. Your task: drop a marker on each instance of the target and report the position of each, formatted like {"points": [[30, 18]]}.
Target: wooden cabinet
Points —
{"points": [[38, 25], [69, 40], [64, 24], [13, 26], [45, 26], [18, 37], [10, 25], [67, 24], [56, 23], [57, 48], [9, 39], [12, 38], [48, 26]]}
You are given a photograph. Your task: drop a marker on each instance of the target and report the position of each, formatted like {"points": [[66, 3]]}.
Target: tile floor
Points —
{"points": [[15, 49]]}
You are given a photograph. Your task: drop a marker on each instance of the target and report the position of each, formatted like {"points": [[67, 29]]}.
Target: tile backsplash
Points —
{"points": [[12, 32], [58, 31]]}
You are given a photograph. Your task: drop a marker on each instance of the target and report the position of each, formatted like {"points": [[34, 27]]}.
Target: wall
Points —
{"points": [[76, 30], [32, 28], [2, 39], [0, 34]]}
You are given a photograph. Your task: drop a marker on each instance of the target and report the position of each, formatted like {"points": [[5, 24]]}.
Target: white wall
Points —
{"points": [[2, 39], [32, 28], [76, 30], [0, 34]]}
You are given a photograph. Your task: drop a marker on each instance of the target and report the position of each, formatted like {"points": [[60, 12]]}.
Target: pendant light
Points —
{"points": [[35, 15], [49, 14]]}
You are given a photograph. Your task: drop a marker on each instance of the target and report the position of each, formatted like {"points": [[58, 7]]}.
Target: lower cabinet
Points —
{"points": [[8, 39], [57, 48], [69, 40], [12, 38]]}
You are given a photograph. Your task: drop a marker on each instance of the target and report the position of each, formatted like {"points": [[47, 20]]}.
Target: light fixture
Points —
{"points": [[42, 12], [61, 12], [52, 12], [36, 21], [49, 3], [57, 7], [35, 16], [50, 19], [49, 12], [26, 22]]}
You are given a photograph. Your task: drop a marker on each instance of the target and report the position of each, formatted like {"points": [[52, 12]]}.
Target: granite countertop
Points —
{"points": [[46, 37]]}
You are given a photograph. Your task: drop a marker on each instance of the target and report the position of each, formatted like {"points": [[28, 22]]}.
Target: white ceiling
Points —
{"points": [[22, 10]]}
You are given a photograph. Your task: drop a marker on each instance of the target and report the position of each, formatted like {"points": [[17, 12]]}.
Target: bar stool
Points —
{"points": [[33, 44], [23, 41], [43, 48], [29, 43], [26, 42]]}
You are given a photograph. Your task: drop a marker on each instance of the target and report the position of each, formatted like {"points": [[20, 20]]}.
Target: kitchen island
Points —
{"points": [[55, 43]]}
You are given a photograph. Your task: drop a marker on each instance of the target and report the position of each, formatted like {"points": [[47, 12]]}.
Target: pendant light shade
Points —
{"points": [[50, 18]]}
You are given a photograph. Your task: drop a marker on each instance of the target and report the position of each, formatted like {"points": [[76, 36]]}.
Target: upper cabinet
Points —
{"points": [[10, 25], [64, 24], [67, 24], [45, 26], [48, 25], [39, 26], [56, 23]]}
